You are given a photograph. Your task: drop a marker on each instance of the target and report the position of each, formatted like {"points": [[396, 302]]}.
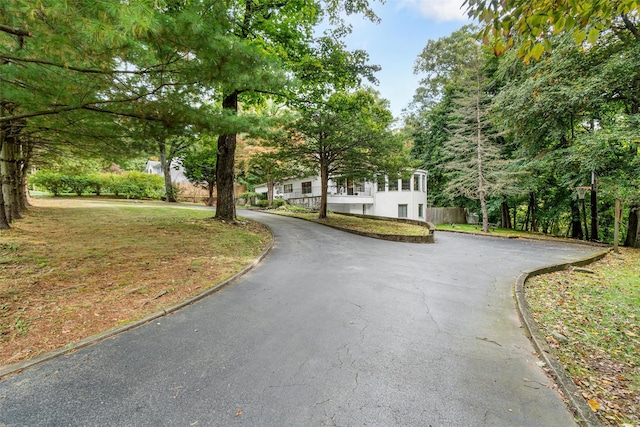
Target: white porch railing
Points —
{"points": [[331, 191]]}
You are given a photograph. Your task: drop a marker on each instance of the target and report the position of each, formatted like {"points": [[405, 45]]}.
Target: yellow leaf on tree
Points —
{"points": [[537, 51]]}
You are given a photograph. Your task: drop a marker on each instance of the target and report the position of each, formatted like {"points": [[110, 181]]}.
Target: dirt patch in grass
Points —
{"points": [[76, 267], [591, 319]]}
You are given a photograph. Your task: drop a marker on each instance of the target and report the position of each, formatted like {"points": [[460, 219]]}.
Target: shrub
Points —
{"points": [[279, 202], [77, 183], [131, 185], [53, 182], [136, 185], [250, 197], [293, 208], [96, 182], [262, 203]]}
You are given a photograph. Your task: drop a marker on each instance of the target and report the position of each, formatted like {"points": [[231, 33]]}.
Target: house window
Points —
{"points": [[420, 210], [393, 184], [424, 183], [416, 182], [306, 187], [288, 188], [381, 183], [406, 184], [402, 211]]}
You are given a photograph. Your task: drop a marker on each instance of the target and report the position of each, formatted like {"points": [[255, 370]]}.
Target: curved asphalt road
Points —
{"points": [[331, 329]]}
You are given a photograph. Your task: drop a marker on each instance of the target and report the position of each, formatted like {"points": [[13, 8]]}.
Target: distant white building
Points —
{"points": [[395, 198], [177, 170]]}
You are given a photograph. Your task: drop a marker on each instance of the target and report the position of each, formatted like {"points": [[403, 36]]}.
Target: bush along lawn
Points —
{"points": [[591, 319]]}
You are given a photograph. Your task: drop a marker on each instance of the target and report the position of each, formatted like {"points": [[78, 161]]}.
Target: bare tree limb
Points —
{"points": [[15, 31], [631, 26]]}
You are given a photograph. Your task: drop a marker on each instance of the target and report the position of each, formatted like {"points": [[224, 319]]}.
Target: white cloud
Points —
{"points": [[440, 10]]}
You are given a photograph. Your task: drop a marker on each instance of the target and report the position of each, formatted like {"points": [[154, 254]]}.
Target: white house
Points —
{"points": [[177, 170], [395, 198]]}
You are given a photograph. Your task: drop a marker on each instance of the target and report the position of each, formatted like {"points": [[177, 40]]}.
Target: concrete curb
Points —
{"points": [[583, 412], [537, 239], [428, 238], [20, 366]]}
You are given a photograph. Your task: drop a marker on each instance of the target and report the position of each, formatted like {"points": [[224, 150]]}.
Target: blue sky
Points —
{"points": [[395, 43]]}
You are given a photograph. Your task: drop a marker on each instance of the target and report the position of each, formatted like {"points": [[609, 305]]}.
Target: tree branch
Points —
{"points": [[83, 70], [15, 31], [631, 27], [91, 106]]}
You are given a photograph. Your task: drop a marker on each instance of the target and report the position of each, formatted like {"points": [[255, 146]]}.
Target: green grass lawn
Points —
{"points": [[599, 314], [377, 226], [74, 267]]}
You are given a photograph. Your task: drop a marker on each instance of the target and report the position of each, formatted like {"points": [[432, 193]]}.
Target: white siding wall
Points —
{"points": [[380, 203], [386, 202]]}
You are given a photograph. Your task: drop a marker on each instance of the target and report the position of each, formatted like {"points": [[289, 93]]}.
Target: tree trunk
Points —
{"points": [[594, 208], [5, 174], [576, 224], [225, 172], [23, 188], [505, 217], [270, 185], [226, 208], [534, 207], [165, 164], [324, 183], [584, 217], [210, 187], [633, 227], [4, 221], [481, 190], [14, 181]]}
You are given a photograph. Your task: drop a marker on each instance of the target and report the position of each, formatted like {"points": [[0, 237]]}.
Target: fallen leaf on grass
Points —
{"points": [[594, 405]]}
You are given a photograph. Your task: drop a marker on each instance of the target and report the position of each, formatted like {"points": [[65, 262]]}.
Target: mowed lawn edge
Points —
{"points": [[76, 267], [590, 318]]}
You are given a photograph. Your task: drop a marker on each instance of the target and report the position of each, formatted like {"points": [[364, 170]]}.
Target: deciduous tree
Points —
{"points": [[348, 135]]}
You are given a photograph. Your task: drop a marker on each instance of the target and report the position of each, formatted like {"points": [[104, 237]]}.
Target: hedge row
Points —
{"points": [[130, 185]]}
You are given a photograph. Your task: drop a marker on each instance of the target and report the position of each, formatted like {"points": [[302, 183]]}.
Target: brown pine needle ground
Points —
{"points": [[75, 267]]}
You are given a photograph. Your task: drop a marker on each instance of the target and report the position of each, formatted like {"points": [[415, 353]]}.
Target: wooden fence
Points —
{"points": [[446, 215]]}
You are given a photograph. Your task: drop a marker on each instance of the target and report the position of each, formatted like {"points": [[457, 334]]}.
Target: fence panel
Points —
{"points": [[446, 215]]}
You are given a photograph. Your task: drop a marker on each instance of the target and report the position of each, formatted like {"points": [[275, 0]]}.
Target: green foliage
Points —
{"points": [[293, 208], [199, 162], [349, 135], [136, 185], [279, 202], [53, 182], [130, 185], [556, 121], [262, 203], [534, 23], [77, 183], [95, 182]]}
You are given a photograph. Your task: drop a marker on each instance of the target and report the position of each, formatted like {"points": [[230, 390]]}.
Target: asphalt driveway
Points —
{"points": [[330, 329]]}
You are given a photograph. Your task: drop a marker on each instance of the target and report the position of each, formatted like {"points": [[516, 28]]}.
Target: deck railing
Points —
{"points": [[331, 191]]}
